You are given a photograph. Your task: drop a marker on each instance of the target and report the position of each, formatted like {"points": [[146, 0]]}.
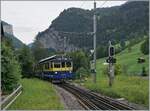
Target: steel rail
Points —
{"points": [[94, 101], [84, 99]]}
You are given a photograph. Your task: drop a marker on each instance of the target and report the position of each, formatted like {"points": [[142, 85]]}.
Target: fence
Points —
{"points": [[11, 98]]}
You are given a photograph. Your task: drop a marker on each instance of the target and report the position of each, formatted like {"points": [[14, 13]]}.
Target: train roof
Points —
{"points": [[56, 58]]}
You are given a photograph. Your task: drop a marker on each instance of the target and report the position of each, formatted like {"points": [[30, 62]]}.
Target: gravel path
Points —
{"points": [[69, 101]]}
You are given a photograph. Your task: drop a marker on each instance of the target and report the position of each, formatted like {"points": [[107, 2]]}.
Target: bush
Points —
{"points": [[10, 69], [118, 70], [105, 70], [145, 47], [82, 72], [102, 51], [143, 71], [80, 59]]}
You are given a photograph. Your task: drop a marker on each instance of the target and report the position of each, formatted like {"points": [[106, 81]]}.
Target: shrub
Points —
{"points": [[105, 70], [118, 69], [143, 71], [82, 73], [80, 59], [145, 47]]}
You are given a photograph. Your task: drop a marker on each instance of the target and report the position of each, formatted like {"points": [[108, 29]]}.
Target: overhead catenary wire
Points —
{"points": [[103, 3], [82, 4]]}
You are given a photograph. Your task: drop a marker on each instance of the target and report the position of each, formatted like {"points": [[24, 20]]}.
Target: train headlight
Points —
{"points": [[55, 72]]}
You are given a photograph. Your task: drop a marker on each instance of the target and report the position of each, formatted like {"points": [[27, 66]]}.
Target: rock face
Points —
{"points": [[8, 32], [51, 38], [8, 28], [126, 22]]}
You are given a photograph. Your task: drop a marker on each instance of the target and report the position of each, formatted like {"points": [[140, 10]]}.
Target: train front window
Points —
{"points": [[57, 65], [68, 64]]}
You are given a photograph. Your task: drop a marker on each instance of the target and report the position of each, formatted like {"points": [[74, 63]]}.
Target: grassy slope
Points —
{"points": [[37, 94], [133, 88], [128, 60]]}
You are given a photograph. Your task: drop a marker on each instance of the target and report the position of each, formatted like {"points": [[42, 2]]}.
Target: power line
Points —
{"points": [[82, 4], [103, 3], [77, 33]]}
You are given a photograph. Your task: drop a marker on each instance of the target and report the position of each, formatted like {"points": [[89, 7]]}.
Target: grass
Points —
{"points": [[128, 60], [133, 88], [37, 94]]}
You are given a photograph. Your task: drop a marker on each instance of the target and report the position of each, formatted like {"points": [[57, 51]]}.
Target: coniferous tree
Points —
{"points": [[145, 47], [26, 60]]}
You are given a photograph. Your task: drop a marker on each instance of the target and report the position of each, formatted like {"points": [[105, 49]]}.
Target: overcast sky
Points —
{"points": [[30, 17]]}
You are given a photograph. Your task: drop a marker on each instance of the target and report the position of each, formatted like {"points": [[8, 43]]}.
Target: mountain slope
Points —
{"points": [[125, 22]]}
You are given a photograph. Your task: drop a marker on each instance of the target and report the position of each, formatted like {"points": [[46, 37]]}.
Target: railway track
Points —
{"points": [[92, 101]]}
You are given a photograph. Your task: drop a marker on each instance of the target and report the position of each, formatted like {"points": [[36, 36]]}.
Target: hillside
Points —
{"points": [[125, 22], [135, 89], [128, 61]]}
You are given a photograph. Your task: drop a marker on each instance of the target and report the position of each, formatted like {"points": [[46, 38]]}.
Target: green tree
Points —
{"points": [[118, 69], [79, 60], [10, 69], [122, 44], [102, 51], [129, 47], [145, 47], [39, 52], [26, 60], [82, 73]]}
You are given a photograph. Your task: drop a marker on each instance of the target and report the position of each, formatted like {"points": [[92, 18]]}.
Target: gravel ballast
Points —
{"points": [[69, 100]]}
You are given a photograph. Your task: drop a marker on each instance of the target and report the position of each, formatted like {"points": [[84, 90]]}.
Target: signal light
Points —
{"points": [[111, 51], [111, 60]]}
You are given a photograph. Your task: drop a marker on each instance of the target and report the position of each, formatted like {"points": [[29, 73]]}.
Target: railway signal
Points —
{"points": [[111, 60], [111, 51]]}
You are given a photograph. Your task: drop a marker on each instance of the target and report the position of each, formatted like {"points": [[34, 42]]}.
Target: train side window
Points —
{"points": [[51, 64], [46, 66], [63, 64], [68, 64], [57, 65]]}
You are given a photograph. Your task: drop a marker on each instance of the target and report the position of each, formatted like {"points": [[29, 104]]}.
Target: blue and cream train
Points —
{"points": [[57, 67]]}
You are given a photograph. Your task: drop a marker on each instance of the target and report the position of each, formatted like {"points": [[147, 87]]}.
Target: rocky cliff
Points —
{"points": [[8, 28], [51, 38]]}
